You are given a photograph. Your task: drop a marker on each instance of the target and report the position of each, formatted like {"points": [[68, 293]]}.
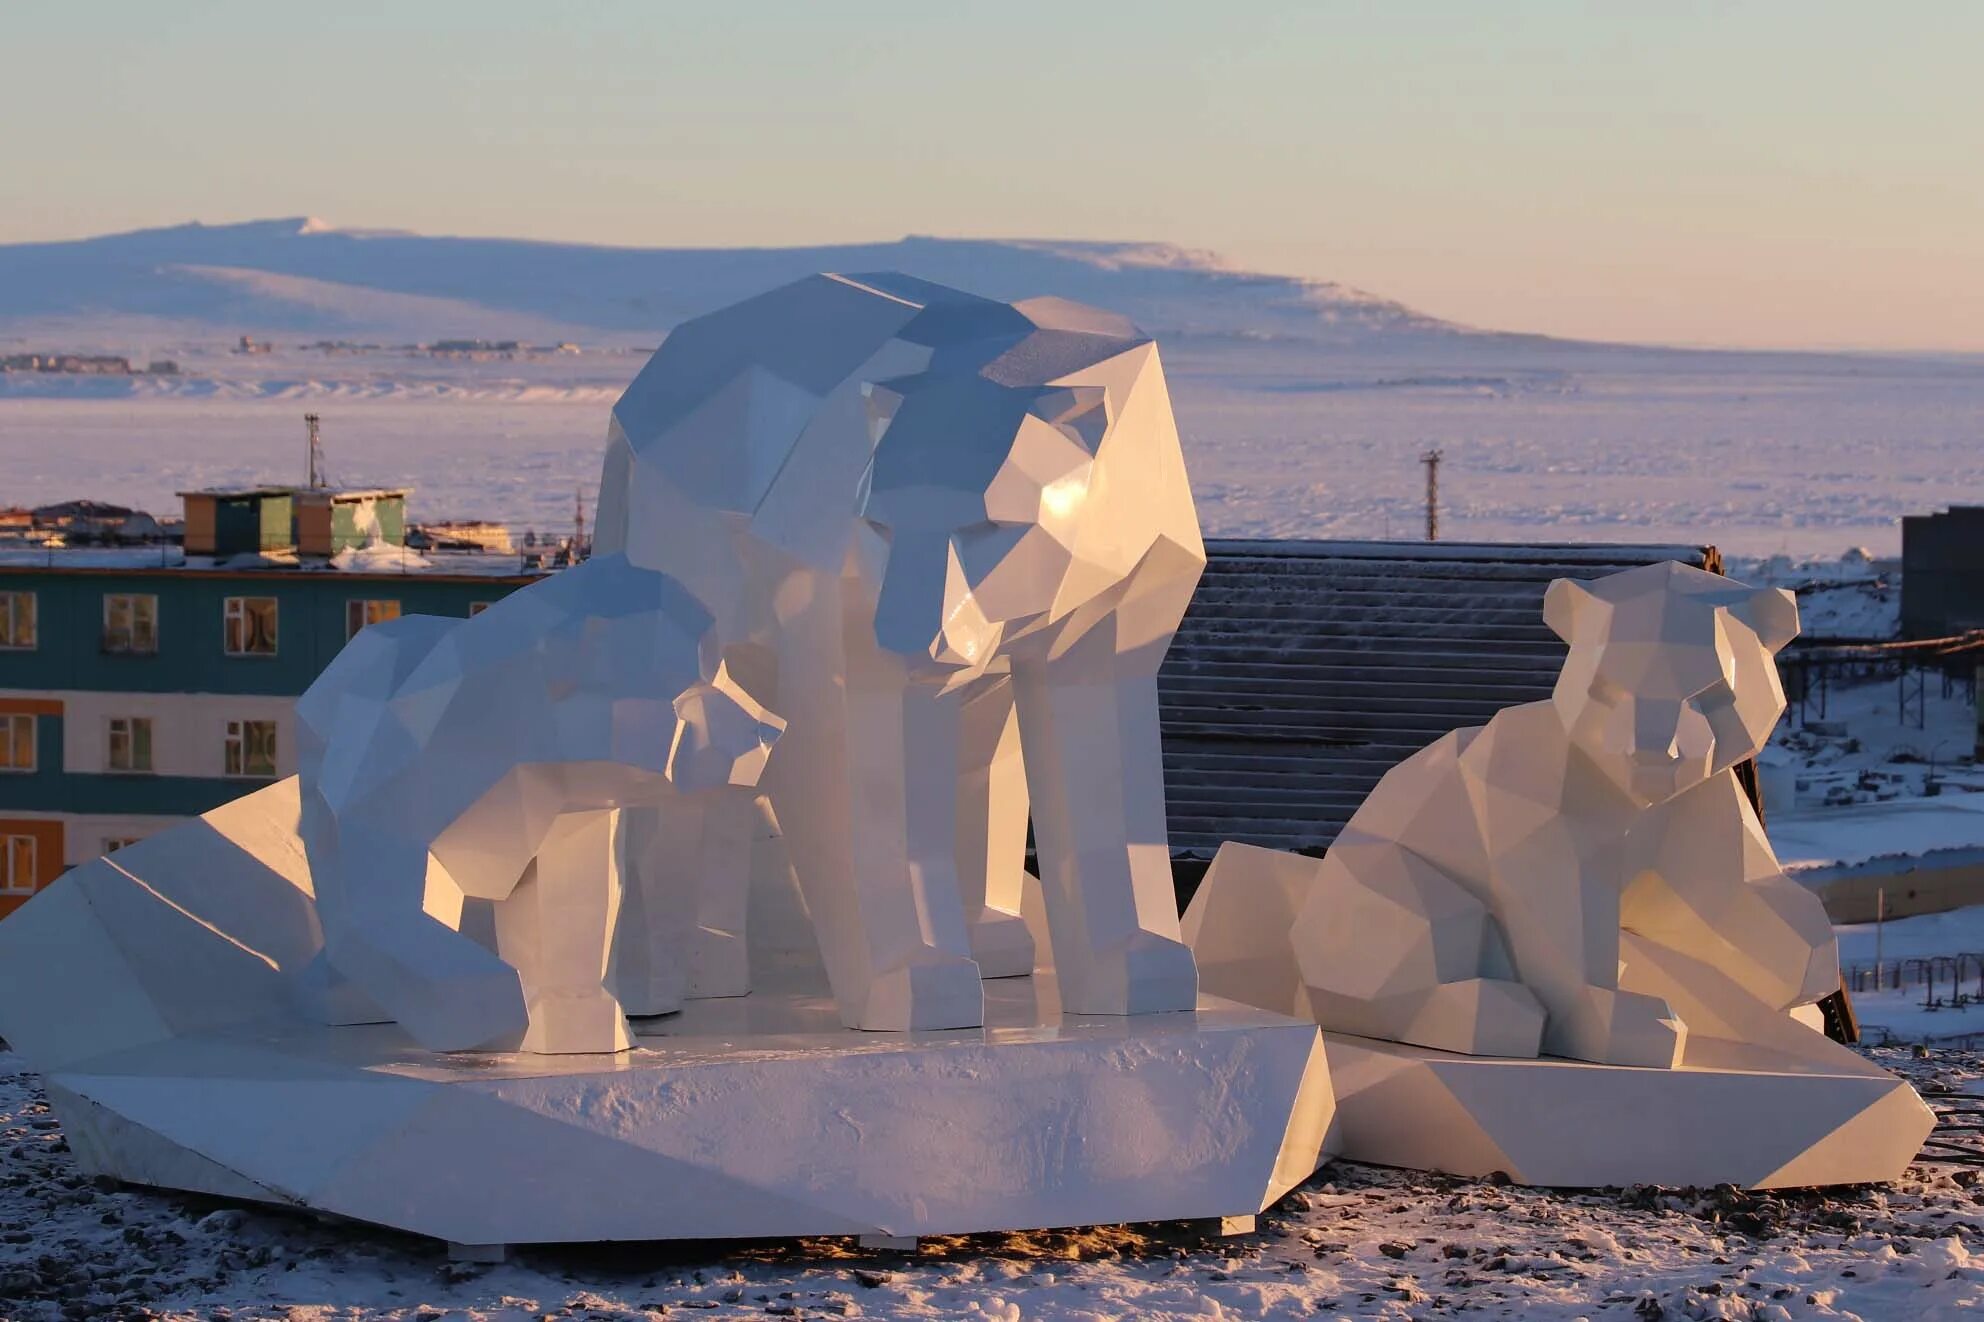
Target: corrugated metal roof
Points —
{"points": [[1305, 670]]}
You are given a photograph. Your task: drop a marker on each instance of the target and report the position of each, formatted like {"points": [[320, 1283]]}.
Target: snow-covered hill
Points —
{"points": [[305, 276]]}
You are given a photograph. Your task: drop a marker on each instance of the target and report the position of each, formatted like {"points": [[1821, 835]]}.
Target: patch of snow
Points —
{"points": [[1958, 931], [1826, 837], [378, 557]]}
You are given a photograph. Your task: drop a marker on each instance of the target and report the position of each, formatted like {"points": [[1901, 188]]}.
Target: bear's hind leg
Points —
{"points": [[1613, 1027], [1391, 946], [390, 925]]}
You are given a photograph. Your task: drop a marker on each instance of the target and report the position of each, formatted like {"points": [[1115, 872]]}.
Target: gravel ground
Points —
{"points": [[1356, 1241]]}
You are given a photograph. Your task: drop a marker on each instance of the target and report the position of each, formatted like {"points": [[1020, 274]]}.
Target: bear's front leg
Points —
{"points": [[1095, 772], [556, 928], [1702, 880], [991, 830], [904, 738], [860, 738], [1555, 889]]}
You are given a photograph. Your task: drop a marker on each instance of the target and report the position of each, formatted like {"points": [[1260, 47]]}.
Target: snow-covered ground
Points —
{"points": [[1916, 1011], [1540, 443], [1355, 1242]]}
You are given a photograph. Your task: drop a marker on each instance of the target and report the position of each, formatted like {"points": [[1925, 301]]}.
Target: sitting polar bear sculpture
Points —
{"points": [[948, 540], [1569, 877], [444, 762]]}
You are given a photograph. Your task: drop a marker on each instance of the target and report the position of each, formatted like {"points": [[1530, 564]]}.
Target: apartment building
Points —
{"points": [[133, 696]]}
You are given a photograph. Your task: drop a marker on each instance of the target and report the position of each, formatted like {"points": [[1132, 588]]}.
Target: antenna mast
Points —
{"points": [[314, 456], [578, 524], [1432, 461]]}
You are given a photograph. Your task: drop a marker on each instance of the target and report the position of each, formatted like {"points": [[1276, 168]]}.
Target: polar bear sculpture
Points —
{"points": [[948, 539], [1485, 896], [448, 761]]}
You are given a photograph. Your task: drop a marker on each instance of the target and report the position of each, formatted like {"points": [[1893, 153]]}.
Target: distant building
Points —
{"points": [[94, 521], [74, 364], [1942, 572], [460, 535], [475, 346]]}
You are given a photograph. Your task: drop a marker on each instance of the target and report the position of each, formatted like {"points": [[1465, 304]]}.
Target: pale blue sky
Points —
{"points": [[1778, 172]]}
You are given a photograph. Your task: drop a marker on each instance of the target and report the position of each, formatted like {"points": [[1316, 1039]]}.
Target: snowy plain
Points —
{"points": [[1305, 405], [1759, 459]]}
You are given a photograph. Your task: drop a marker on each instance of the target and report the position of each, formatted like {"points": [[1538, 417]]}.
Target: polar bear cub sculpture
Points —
{"points": [[1567, 877], [445, 763], [951, 538]]}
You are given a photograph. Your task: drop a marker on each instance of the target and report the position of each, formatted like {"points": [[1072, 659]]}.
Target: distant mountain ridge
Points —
{"points": [[304, 276]]}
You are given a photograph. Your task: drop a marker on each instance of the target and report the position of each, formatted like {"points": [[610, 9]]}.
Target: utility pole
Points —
{"points": [[314, 456], [1432, 461], [578, 524]]}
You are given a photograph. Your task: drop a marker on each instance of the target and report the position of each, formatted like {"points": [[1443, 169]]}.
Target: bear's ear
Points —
{"points": [[1560, 606], [1772, 613]]}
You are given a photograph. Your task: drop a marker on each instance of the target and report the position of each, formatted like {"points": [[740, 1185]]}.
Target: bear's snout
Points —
{"points": [[1667, 745]]}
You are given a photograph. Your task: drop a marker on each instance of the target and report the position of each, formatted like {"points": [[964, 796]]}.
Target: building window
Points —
{"points": [[113, 843], [251, 748], [251, 626], [359, 612], [17, 621], [17, 864], [130, 622], [476, 608], [130, 743], [17, 742]]}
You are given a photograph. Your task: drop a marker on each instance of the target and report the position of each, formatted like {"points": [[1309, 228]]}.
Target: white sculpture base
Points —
{"points": [[1731, 1113], [758, 1116]]}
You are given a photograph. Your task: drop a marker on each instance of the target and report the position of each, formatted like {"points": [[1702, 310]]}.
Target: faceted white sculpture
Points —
{"points": [[1515, 852], [1581, 878], [449, 762], [955, 537], [948, 539], [149, 990]]}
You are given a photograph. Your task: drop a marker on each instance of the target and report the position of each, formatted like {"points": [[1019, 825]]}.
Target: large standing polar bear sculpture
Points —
{"points": [[948, 539], [1487, 895], [448, 761]]}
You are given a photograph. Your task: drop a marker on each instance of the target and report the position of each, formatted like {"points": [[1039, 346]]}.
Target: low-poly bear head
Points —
{"points": [[1671, 676], [1013, 478], [976, 470], [633, 674]]}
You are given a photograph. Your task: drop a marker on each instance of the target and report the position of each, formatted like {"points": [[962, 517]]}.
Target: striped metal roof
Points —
{"points": [[1305, 670]]}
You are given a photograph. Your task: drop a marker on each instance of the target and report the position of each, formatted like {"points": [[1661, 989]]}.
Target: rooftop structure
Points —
{"points": [[1942, 572], [312, 521], [460, 535]]}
